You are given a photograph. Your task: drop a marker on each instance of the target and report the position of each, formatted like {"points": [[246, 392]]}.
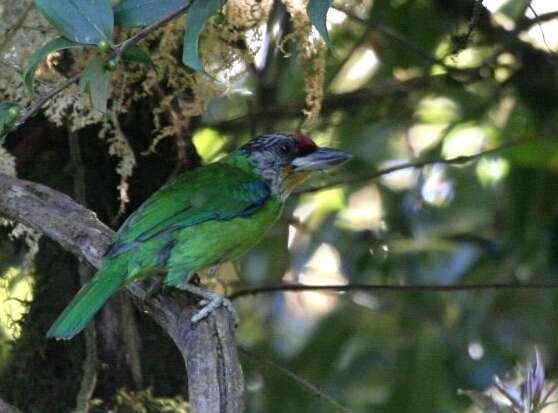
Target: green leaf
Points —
{"points": [[9, 112], [52, 46], [132, 13], [82, 21], [95, 81], [197, 17], [317, 12], [137, 55]]}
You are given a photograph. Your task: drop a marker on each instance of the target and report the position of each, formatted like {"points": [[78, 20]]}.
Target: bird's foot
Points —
{"points": [[210, 301]]}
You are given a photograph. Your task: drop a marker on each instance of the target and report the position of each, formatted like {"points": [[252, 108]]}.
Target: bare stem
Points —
{"points": [[43, 99], [395, 288], [86, 271], [148, 29], [303, 383]]}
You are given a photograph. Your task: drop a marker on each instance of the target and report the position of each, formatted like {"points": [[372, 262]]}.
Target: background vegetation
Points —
{"points": [[431, 83]]}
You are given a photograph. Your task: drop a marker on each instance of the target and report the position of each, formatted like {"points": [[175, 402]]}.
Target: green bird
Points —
{"points": [[201, 219]]}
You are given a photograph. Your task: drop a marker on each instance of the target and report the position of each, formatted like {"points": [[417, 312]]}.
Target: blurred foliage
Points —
{"points": [[405, 80], [145, 402]]}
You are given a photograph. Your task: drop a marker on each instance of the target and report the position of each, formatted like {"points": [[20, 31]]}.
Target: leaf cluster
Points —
{"points": [[82, 23]]}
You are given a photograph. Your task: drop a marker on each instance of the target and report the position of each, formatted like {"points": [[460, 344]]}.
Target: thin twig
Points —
{"points": [[15, 67], [266, 289], [309, 387], [539, 18], [538, 23], [393, 34], [461, 41], [34, 109], [148, 29], [11, 32], [115, 53], [459, 160], [549, 392], [86, 271], [90, 362], [360, 41]]}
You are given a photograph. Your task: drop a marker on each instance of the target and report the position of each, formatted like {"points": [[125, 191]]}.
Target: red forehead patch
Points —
{"points": [[305, 142]]}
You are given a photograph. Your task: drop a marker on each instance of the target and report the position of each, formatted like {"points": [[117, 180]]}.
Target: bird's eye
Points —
{"points": [[284, 149]]}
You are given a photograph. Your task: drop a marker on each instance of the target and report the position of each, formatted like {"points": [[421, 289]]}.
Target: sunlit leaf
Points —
{"points": [[197, 17], [94, 80], [60, 43], [132, 13], [317, 12], [82, 21]]}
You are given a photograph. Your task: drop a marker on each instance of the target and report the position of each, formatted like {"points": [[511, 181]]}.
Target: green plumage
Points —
{"points": [[202, 218]]}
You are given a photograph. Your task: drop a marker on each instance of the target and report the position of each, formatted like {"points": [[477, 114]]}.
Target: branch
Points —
{"points": [[56, 215], [215, 381], [459, 160], [266, 289], [115, 53]]}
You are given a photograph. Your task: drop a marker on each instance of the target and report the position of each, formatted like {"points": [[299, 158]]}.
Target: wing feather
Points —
{"points": [[218, 191]]}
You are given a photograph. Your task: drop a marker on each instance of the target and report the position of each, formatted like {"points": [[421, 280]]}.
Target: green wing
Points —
{"points": [[218, 191]]}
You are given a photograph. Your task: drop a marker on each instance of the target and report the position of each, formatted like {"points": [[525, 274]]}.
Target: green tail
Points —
{"points": [[88, 301]]}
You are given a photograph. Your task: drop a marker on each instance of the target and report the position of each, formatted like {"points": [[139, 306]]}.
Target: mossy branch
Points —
{"points": [[215, 380]]}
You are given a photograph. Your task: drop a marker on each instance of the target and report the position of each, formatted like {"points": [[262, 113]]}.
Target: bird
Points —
{"points": [[201, 219]]}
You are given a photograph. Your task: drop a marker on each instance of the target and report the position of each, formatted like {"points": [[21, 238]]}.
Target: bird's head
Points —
{"points": [[285, 160]]}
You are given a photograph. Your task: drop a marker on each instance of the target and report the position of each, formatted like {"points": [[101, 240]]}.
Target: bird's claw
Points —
{"points": [[210, 301]]}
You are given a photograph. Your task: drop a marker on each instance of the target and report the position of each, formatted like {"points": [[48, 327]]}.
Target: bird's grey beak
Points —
{"points": [[320, 159]]}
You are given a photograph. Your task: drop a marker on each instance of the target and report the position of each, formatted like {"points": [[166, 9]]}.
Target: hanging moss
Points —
{"points": [[145, 402]]}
